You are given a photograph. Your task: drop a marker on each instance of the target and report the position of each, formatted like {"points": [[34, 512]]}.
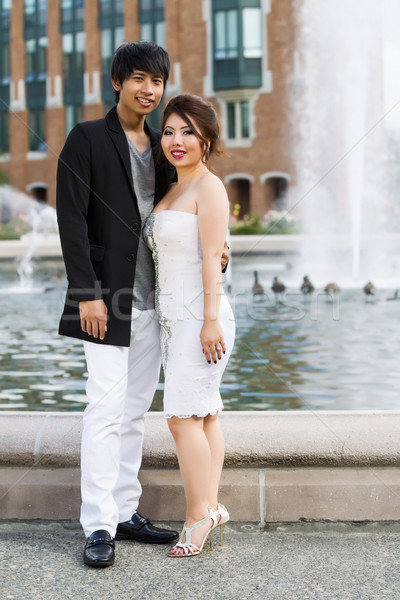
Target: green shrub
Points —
{"points": [[14, 229], [250, 225], [3, 178]]}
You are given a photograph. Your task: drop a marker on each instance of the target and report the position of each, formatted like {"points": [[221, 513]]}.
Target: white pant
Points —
{"points": [[120, 388]]}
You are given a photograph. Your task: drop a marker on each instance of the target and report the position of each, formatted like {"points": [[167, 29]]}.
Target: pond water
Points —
{"points": [[298, 355]]}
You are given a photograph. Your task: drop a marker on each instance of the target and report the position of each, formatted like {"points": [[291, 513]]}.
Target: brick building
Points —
{"points": [[54, 72]]}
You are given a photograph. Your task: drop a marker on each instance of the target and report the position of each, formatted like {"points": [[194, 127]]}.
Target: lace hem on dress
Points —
{"points": [[214, 412]]}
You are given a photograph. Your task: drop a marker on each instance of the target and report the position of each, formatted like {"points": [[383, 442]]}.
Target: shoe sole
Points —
{"points": [[99, 565]]}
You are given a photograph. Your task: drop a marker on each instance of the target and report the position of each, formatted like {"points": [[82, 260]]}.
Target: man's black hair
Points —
{"points": [[140, 56]]}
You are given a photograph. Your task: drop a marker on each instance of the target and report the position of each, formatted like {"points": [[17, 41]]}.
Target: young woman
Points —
{"points": [[186, 232]]}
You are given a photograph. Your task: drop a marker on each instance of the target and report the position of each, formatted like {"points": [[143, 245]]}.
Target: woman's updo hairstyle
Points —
{"points": [[207, 130]]}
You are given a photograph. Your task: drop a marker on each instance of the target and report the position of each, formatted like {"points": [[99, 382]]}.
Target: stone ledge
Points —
{"points": [[253, 439], [258, 495], [46, 246], [280, 466]]}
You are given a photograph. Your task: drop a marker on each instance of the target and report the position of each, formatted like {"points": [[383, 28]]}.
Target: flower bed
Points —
{"points": [[274, 222]]}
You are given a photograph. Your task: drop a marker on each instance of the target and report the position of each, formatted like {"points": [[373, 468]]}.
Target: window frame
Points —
{"points": [[114, 25], [237, 117], [37, 129], [236, 64], [73, 52], [74, 22], [35, 24], [4, 131]]}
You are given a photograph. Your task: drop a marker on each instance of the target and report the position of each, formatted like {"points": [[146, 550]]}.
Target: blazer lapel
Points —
{"points": [[119, 138], [163, 172]]}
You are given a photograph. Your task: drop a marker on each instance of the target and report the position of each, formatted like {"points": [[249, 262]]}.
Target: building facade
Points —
{"points": [[54, 72]]}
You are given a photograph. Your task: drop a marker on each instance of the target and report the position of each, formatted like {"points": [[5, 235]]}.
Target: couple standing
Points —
{"points": [[142, 232]]}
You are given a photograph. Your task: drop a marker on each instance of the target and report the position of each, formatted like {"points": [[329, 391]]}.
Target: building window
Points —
{"points": [[72, 12], [30, 54], [226, 34], [111, 13], [110, 40], [152, 23], [5, 63], [37, 129], [239, 194], [36, 51], [73, 58], [73, 47], [237, 44], [252, 38], [152, 29], [111, 9], [73, 115], [244, 119], [35, 77], [5, 13], [153, 32], [5, 10], [231, 118], [36, 71], [111, 25], [4, 131], [151, 5], [237, 120], [35, 13], [30, 13]]}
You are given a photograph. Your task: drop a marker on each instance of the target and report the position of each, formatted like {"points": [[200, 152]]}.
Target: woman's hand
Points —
{"points": [[212, 340], [225, 257]]}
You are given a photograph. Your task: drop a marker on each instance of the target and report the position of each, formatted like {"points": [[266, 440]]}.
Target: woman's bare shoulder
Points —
{"points": [[211, 185]]}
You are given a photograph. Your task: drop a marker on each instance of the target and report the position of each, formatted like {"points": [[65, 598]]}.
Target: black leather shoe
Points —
{"points": [[141, 530], [99, 549]]}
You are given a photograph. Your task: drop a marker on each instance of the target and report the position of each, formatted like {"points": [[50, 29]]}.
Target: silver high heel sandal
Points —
{"points": [[224, 514], [190, 549]]}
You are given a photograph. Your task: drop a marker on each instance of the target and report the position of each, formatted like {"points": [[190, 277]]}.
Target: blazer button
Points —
{"points": [[130, 258], [134, 226]]}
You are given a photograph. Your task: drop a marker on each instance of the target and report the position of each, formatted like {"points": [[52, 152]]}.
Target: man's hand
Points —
{"points": [[225, 256], [93, 315]]}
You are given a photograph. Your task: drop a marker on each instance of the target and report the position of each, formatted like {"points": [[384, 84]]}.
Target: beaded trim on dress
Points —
{"points": [[165, 330]]}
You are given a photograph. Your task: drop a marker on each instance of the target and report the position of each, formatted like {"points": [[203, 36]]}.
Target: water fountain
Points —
{"points": [[340, 145], [38, 221], [296, 353]]}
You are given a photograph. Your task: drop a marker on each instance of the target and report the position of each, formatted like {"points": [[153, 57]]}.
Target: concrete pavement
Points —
{"points": [[43, 560]]}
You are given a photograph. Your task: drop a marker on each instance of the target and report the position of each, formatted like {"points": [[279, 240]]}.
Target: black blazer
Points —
{"points": [[99, 222]]}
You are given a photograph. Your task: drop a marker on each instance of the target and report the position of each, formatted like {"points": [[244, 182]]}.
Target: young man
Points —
{"points": [[108, 182]]}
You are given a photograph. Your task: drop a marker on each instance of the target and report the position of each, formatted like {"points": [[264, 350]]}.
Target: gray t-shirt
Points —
{"points": [[143, 176]]}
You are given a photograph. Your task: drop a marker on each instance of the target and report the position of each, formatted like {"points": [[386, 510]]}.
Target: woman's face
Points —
{"points": [[180, 144]]}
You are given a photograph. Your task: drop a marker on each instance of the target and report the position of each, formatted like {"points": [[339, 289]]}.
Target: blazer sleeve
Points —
{"points": [[72, 205]]}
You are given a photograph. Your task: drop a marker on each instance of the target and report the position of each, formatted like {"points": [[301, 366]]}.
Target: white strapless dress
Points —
{"points": [[191, 385]]}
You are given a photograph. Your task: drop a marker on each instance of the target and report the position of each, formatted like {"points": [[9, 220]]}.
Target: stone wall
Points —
{"points": [[279, 466]]}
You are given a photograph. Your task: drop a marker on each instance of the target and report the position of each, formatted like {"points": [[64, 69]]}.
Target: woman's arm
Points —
{"points": [[213, 215]]}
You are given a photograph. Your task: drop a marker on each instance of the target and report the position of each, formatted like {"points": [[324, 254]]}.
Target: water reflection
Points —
{"points": [[296, 355]]}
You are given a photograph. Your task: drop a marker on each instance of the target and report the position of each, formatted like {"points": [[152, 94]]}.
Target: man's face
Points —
{"points": [[141, 92]]}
